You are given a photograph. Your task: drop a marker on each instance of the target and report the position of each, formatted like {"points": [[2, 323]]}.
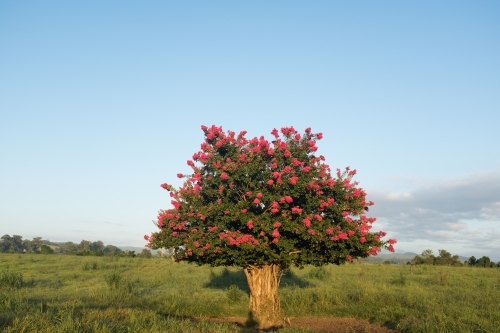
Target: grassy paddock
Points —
{"points": [[56, 293]]}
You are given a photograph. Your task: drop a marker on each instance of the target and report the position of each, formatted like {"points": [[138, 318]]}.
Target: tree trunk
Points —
{"points": [[264, 309]]}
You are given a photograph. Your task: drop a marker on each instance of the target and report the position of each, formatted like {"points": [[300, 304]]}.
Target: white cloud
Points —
{"points": [[457, 226], [461, 212]]}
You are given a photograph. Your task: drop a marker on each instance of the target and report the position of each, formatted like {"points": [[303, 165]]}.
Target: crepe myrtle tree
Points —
{"points": [[265, 206]]}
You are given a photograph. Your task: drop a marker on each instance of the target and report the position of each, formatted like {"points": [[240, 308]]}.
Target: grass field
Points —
{"points": [[58, 293]]}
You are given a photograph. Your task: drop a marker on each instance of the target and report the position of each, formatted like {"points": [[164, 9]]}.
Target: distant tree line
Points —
{"points": [[16, 244], [484, 261], [446, 259]]}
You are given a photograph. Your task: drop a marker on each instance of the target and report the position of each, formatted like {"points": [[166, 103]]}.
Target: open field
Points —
{"points": [[60, 293]]}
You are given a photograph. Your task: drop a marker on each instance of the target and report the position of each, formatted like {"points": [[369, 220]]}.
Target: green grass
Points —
{"points": [[56, 293]]}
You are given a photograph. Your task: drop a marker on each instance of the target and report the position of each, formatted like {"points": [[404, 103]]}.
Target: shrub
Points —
{"points": [[234, 294], [46, 250]]}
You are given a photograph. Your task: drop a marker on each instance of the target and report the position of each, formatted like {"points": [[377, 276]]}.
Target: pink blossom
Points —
{"points": [[277, 225], [293, 180], [275, 240], [349, 258], [259, 195], [287, 153], [362, 240], [196, 244], [190, 163], [256, 201], [318, 217], [224, 176], [343, 235], [275, 233], [306, 169], [288, 199], [306, 222], [250, 224], [270, 182], [244, 210]]}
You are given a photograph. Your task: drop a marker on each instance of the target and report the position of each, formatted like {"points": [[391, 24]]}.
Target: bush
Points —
{"points": [[46, 250], [146, 253], [234, 294]]}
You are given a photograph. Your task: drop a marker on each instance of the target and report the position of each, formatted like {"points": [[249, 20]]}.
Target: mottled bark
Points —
{"points": [[264, 309]]}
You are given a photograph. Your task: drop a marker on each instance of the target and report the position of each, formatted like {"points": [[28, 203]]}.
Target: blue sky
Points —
{"points": [[102, 102]]}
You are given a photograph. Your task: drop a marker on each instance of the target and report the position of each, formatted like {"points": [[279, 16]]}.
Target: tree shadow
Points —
{"points": [[290, 279], [227, 277]]}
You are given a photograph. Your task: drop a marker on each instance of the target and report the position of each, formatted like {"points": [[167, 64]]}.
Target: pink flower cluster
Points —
{"points": [[237, 238]]}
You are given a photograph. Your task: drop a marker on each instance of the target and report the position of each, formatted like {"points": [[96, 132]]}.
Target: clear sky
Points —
{"points": [[101, 102]]}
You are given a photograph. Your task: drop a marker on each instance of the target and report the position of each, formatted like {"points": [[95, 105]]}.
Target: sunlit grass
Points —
{"points": [[59, 293]]}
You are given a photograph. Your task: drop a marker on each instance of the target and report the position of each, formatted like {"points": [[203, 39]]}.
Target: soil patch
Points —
{"points": [[322, 325]]}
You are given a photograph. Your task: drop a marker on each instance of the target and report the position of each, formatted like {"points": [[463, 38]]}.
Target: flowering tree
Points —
{"points": [[265, 206]]}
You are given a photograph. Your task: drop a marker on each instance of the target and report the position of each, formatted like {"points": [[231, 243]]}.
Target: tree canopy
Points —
{"points": [[255, 202]]}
